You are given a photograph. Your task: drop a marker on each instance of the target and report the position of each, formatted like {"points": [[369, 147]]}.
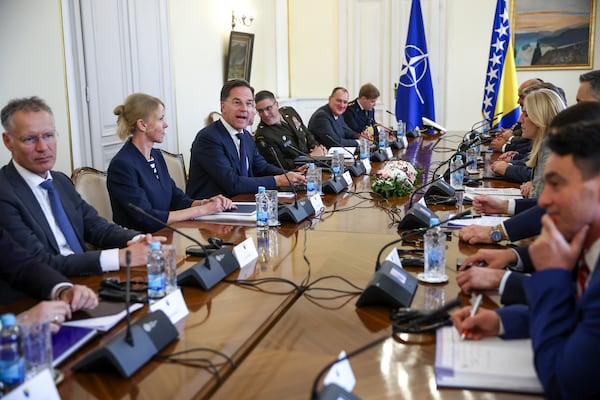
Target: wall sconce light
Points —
{"points": [[246, 18]]}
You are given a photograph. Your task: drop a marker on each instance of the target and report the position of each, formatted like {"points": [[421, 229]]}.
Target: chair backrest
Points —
{"points": [[91, 185], [176, 167]]}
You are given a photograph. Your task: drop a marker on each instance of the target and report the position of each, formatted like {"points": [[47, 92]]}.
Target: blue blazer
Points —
{"points": [[130, 180], [24, 219], [358, 119], [22, 271], [527, 223], [565, 332], [215, 165], [323, 123]]}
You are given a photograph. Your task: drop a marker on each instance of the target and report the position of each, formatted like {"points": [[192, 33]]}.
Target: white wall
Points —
{"points": [[32, 64], [33, 60]]}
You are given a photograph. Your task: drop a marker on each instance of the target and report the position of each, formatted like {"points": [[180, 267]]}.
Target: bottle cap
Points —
{"points": [[8, 319], [154, 245], [459, 156], [261, 189], [434, 221], [311, 165]]}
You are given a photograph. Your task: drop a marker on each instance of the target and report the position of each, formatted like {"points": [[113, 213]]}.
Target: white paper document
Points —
{"points": [[348, 153], [104, 322], [490, 364], [503, 193], [485, 220]]}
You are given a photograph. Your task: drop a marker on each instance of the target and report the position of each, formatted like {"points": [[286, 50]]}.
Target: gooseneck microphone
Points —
{"points": [[298, 211], [333, 185], [216, 266], [311, 158], [444, 191], [357, 168]]}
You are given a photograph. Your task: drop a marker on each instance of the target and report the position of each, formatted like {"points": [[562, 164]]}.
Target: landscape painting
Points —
{"points": [[553, 34]]}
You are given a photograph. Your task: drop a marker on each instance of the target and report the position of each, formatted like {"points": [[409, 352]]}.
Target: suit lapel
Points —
{"points": [[230, 148]]}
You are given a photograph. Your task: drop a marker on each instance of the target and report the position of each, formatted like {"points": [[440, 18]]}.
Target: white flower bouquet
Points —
{"points": [[395, 179]]}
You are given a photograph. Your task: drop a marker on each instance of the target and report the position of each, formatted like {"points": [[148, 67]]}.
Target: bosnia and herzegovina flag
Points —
{"points": [[414, 95], [500, 95]]}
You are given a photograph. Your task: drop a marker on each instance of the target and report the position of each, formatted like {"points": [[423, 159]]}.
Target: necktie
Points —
{"points": [[61, 217], [243, 156], [582, 275]]}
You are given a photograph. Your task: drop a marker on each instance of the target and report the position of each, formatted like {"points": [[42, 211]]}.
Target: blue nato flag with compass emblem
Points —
{"points": [[414, 96]]}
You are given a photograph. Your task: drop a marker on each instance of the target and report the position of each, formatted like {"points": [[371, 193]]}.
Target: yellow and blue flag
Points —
{"points": [[500, 106], [414, 95]]}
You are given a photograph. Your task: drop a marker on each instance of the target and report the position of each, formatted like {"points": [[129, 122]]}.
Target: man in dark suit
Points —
{"points": [[52, 222], [328, 125], [224, 158], [360, 113], [23, 272], [562, 317], [280, 126]]}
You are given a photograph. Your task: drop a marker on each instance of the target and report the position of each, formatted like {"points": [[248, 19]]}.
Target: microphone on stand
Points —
{"points": [[357, 168], [130, 350], [333, 185], [298, 211], [216, 266], [443, 189]]}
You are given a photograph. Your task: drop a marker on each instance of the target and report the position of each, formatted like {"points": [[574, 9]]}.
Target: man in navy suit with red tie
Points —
{"points": [[224, 159], [562, 317]]}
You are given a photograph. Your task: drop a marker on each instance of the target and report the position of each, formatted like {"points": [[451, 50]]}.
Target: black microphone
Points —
{"points": [[298, 211], [216, 266], [357, 168], [442, 191], [333, 185]]}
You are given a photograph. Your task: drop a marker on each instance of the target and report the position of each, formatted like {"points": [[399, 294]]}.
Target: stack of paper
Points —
{"points": [[488, 364], [348, 153], [484, 220], [503, 193]]}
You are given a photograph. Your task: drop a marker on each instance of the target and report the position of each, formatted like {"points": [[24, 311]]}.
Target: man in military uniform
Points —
{"points": [[280, 126], [360, 114]]}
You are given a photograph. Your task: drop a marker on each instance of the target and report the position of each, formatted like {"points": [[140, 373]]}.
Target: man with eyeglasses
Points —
{"points": [[279, 127], [224, 159], [41, 208]]}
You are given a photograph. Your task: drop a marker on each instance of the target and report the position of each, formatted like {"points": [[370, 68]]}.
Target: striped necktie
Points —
{"points": [[243, 156]]}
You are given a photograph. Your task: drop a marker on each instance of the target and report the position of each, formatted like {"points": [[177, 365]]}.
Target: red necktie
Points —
{"points": [[582, 275]]}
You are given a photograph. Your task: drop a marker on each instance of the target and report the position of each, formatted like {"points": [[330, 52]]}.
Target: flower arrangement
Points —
{"points": [[395, 179]]}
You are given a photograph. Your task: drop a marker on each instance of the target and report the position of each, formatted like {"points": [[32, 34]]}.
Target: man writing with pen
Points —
{"points": [[562, 317]]}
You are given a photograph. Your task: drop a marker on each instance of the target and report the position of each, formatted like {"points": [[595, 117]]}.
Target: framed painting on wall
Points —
{"points": [[553, 34], [239, 58]]}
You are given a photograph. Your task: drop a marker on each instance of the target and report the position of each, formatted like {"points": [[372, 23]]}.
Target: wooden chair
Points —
{"points": [[176, 167], [91, 185]]}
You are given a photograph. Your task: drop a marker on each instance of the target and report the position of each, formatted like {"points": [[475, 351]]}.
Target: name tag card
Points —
{"points": [[348, 178], [41, 386], [317, 204], [394, 257], [245, 253], [388, 153], [367, 163], [173, 305], [341, 374]]}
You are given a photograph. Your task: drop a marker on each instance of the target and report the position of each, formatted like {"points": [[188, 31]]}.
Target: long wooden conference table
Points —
{"points": [[276, 337]]}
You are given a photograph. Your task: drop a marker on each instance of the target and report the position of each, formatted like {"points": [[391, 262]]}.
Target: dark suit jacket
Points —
{"points": [[22, 271], [564, 332], [323, 123], [23, 218], [215, 165], [358, 119], [526, 223], [514, 292], [275, 136], [130, 180]]}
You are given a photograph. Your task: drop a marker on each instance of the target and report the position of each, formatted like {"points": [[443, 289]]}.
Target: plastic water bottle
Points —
{"points": [[262, 209], [12, 363], [364, 149], [157, 280], [311, 180], [435, 252], [383, 138], [401, 133], [336, 166], [456, 177]]}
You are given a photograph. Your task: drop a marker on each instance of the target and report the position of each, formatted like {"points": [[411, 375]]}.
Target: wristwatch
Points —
{"points": [[496, 234]]}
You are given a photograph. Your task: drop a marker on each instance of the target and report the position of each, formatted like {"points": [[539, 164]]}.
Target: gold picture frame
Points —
{"points": [[239, 57], [553, 34]]}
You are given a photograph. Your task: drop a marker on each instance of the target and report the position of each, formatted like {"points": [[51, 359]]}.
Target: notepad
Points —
{"points": [[487, 364], [68, 340], [103, 317], [245, 212]]}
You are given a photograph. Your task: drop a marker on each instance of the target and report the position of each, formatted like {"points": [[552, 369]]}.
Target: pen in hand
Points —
{"points": [[474, 309]]}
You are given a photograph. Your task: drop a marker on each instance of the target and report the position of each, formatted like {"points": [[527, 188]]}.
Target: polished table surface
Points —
{"points": [[279, 336]]}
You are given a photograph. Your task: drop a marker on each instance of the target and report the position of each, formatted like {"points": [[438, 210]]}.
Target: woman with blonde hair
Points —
{"points": [[539, 108], [138, 173]]}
